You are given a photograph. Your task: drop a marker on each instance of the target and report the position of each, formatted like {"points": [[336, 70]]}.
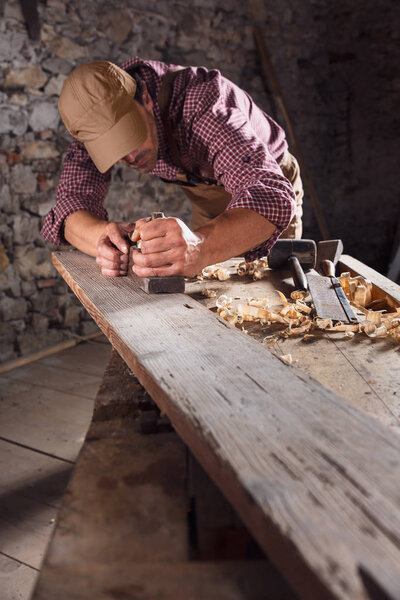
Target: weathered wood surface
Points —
{"points": [[369, 369], [123, 528], [316, 481]]}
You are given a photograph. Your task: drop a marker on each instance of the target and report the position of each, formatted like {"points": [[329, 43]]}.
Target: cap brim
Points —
{"points": [[124, 137]]}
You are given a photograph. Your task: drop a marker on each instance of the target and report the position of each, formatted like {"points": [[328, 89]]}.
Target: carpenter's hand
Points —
{"points": [[113, 249], [168, 247]]}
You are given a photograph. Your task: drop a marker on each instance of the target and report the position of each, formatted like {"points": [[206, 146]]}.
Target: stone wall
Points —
{"points": [[335, 64]]}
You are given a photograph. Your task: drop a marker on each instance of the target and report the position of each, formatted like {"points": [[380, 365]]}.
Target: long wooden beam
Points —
{"points": [[316, 481]]}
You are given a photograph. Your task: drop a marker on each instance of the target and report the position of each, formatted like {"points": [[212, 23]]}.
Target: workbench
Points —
{"points": [[307, 454]]}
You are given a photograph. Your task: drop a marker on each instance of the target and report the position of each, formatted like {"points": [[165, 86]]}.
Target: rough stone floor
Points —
{"points": [[45, 410]]}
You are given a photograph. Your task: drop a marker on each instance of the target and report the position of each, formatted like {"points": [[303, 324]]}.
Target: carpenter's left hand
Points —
{"points": [[168, 247]]}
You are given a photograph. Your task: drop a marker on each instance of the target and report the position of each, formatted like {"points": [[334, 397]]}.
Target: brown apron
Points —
{"points": [[210, 200]]}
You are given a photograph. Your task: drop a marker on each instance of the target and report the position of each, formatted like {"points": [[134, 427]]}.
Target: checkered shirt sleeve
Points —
{"points": [[81, 187], [243, 164]]}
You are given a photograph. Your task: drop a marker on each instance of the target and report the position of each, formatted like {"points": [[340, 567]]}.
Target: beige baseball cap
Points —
{"points": [[98, 109]]}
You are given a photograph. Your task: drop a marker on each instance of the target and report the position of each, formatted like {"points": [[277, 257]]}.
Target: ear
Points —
{"points": [[147, 99]]}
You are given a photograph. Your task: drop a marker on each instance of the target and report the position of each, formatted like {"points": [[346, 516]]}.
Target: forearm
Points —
{"points": [[233, 233], [83, 229]]}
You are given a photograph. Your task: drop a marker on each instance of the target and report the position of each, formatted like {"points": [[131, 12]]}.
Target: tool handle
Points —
{"points": [[328, 268], [297, 272]]}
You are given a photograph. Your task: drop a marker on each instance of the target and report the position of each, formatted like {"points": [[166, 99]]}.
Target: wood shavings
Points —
{"points": [[286, 358], [257, 268], [297, 318], [298, 295], [223, 301], [215, 272], [295, 315], [282, 297], [357, 289], [208, 293]]}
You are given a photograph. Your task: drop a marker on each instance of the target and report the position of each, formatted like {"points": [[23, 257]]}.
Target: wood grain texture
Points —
{"points": [[316, 481], [369, 369]]}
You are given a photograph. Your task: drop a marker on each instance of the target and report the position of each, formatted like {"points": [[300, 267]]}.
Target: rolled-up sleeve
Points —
{"points": [[244, 166], [81, 187]]}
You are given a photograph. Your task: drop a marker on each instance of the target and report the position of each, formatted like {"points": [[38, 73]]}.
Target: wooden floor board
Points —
{"points": [[44, 419], [45, 409], [32, 474], [31, 488], [86, 358], [16, 579], [26, 527], [57, 379]]}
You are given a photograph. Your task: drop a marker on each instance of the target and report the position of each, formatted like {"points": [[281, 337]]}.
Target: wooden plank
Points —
{"points": [[43, 419], [31, 488], [316, 481], [16, 580]]}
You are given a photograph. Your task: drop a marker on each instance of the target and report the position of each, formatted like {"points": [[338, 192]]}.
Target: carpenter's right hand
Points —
{"points": [[113, 249]]}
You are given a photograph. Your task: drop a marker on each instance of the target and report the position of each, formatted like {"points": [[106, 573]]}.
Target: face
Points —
{"points": [[144, 158]]}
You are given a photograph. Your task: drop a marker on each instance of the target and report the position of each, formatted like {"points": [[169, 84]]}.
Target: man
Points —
{"points": [[192, 127]]}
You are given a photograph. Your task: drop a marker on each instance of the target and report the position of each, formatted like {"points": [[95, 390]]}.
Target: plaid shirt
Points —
{"points": [[222, 137]]}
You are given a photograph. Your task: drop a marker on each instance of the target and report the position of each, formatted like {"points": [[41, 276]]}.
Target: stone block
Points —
{"points": [[10, 282], [13, 308], [7, 343], [32, 77], [28, 288], [33, 263], [55, 84], [57, 65], [11, 43], [40, 323], [39, 150], [26, 228], [30, 342], [19, 325], [43, 302], [88, 327], [13, 120], [44, 116], [72, 316], [23, 180], [63, 47], [4, 260]]}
